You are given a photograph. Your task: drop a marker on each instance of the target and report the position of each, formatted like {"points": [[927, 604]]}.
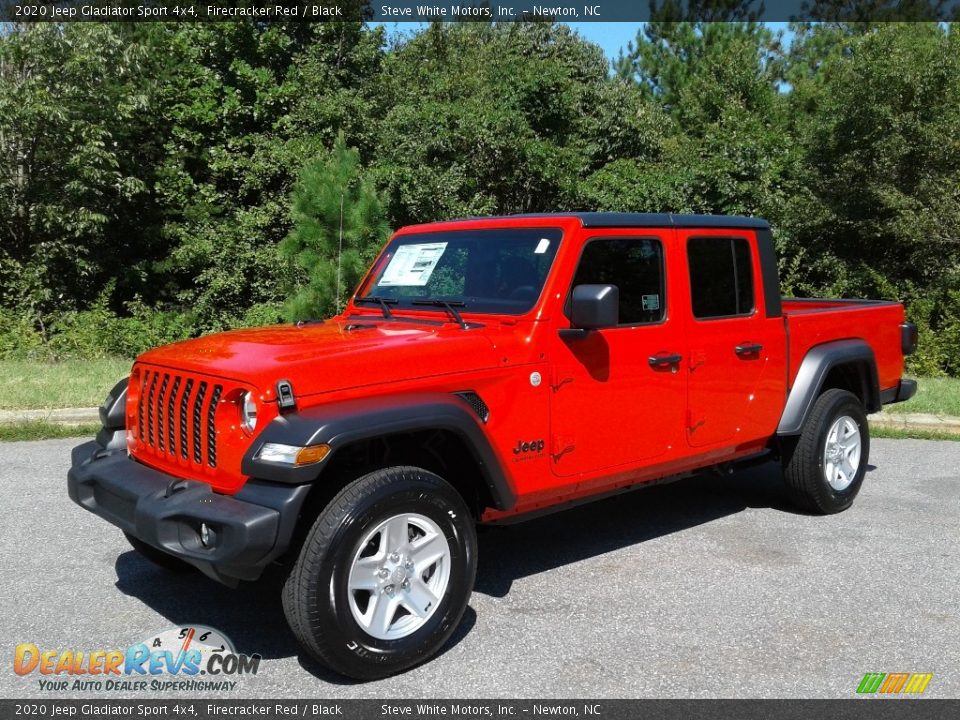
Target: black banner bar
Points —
{"points": [[475, 10], [225, 709]]}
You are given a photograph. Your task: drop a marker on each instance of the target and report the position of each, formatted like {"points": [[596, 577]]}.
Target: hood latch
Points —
{"points": [[285, 399]]}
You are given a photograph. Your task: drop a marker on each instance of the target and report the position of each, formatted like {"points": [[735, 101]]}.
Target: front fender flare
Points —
{"points": [[341, 423]]}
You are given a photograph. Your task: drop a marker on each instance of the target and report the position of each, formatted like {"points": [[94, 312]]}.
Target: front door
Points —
{"points": [[619, 394]]}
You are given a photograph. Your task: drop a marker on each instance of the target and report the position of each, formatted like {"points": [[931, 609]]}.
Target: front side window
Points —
{"points": [[635, 266], [487, 271], [721, 277]]}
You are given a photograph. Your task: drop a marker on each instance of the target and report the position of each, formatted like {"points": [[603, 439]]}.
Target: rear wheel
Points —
{"points": [[827, 465], [158, 557], [384, 575]]}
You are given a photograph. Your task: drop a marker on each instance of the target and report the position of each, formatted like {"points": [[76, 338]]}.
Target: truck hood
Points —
{"points": [[334, 355]]}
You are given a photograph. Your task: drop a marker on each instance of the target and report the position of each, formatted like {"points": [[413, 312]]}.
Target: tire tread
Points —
{"points": [[802, 472]]}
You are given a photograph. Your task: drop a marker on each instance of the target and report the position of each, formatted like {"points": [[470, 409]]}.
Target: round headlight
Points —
{"points": [[248, 411]]}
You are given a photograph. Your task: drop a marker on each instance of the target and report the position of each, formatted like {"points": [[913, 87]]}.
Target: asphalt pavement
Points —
{"points": [[710, 587]]}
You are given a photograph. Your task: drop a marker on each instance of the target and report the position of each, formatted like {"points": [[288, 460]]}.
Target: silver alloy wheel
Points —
{"points": [[399, 575], [841, 453]]}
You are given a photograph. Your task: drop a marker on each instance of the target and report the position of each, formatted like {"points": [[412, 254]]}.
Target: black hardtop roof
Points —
{"points": [[625, 220]]}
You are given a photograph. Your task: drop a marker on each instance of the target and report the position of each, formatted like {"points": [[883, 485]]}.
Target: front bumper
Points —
{"points": [[249, 530]]}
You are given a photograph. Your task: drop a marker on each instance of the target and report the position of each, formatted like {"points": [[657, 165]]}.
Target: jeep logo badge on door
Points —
{"points": [[532, 446]]}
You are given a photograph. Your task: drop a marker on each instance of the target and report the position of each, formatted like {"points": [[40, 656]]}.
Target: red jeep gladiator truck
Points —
{"points": [[484, 371]]}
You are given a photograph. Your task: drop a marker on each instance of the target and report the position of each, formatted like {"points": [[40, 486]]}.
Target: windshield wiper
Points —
{"points": [[383, 302], [449, 305]]}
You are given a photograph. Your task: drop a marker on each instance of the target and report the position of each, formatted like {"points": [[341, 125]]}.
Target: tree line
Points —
{"points": [[163, 180]]}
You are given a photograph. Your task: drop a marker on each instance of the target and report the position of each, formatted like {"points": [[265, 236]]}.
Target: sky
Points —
{"points": [[611, 36]]}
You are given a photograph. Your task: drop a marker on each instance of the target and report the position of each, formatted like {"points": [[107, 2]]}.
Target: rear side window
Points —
{"points": [[721, 277], [635, 266]]}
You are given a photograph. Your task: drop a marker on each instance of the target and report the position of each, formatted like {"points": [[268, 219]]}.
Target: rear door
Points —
{"points": [[611, 404], [729, 338]]}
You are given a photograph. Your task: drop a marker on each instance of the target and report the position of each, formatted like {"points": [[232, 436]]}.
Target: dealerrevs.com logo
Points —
{"points": [[194, 658]]}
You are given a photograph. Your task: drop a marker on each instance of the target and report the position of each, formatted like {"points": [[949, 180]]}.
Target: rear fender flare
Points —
{"points": [[342, 423], [816, 365]]}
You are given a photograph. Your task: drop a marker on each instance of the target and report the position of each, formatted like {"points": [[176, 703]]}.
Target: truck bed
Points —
{"points": [[812, 321]]}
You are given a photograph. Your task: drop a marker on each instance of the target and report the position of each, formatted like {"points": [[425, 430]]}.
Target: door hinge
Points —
{"points": [[562, 446], [561, 383], [693, 425], [697, 358]]}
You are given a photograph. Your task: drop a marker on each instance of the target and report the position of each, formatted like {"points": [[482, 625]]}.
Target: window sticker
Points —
{"points": [[651, 302], [412, 265], [542, 246]]}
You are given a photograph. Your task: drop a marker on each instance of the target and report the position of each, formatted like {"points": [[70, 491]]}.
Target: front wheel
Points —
{"points": [[827, 464], [384, 575]]}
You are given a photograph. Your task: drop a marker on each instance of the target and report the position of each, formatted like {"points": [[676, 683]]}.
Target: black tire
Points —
{"points": [[316, 598], [158, 557], [805, 469]]}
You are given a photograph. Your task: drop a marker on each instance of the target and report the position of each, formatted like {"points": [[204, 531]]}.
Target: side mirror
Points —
{"points": [[594, 307]]}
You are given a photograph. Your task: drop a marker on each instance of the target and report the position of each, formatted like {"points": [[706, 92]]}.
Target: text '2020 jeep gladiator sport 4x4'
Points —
{"points": [[485, 370]]}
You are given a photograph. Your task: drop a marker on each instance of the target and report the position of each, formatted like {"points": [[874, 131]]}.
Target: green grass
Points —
{"points": [[40, 430], [939, 396], [26, 385], [910, 433]]}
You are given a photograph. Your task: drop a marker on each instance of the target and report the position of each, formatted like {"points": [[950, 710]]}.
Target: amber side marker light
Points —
{"points": [[312, 454], [293, 454]]}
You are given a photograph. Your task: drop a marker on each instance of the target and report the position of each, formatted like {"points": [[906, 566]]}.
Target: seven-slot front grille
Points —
{"points": [[176, 417]]}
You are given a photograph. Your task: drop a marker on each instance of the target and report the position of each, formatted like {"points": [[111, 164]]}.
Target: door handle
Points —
{"points": [[664, 360], [746, 349]]}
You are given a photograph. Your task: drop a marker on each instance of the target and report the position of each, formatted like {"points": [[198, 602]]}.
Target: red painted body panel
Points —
{"points": [[877, 323], [607, 418]]}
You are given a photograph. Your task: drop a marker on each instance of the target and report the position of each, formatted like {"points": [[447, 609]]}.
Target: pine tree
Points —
{"points": [[339, 224]]}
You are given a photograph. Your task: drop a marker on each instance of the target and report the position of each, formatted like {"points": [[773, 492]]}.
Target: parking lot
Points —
{"points": [[711, 587]]}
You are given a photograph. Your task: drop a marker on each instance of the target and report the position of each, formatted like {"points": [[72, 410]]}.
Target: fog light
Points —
{"points": [[206, 537]]}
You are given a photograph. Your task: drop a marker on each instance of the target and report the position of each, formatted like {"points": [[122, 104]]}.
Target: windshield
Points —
{"points": [[487, 271]]}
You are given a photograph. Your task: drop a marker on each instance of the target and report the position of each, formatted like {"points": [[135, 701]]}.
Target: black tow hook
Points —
{"points": [[175, 486]]}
